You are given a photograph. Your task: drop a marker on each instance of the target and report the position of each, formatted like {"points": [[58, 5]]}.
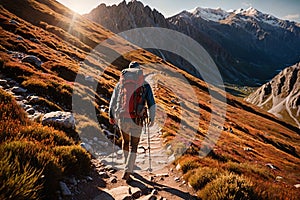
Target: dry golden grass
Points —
{"points": [[62, 47], [29, 150]]}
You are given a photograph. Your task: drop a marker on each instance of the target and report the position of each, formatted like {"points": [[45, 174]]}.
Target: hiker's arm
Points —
{"points": [[151, 103], [113, 102]]}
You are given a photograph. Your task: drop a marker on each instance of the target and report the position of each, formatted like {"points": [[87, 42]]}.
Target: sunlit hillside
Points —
{"points": [[260, 152]]}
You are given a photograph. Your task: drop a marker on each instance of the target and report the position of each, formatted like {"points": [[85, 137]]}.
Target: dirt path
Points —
{"points": [[165, 183]]}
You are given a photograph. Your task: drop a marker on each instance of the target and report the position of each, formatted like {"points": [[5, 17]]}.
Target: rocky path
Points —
{"points": [[162, 182], [105, 183]]}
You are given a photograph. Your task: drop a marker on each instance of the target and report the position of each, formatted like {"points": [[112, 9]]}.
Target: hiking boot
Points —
{"points": [[126, 177]]}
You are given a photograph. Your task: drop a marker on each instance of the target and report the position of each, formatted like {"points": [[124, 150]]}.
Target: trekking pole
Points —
{"points": [[114, 138], [147, 129]]}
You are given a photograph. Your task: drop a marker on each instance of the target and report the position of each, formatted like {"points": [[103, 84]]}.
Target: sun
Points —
{"points": [[79, 6], [85, 6]]}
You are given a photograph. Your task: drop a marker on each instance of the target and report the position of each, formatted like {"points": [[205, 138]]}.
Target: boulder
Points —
{"points": [[18, 90], [33, 60], [59, 119]]}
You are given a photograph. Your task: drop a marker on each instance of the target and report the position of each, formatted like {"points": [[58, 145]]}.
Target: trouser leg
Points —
{"points": [[125, 145], [134, 141], [131, 137]]}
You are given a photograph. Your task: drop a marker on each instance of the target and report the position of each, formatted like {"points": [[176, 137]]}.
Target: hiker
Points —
{"points": [[127, 108]]}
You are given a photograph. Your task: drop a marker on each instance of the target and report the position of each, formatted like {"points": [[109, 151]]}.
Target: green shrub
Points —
{"points": [[202, 176], [229, 186], [19, 181], [74, 160]]}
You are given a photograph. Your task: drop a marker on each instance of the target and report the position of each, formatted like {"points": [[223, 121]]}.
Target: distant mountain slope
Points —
{"points": [[248, 46], [281, 96], [261, 43]]}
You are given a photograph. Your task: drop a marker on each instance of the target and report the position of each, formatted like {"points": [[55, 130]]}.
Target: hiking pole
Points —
{"points": [[114, 138], [147, 129]]}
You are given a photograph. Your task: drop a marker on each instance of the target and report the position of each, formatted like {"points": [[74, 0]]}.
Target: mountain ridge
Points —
{"points": [[240, 42]]}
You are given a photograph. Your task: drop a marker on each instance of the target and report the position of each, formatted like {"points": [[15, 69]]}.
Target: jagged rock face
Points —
{"points": [[248, 46], [281, 96], [127, 16]]}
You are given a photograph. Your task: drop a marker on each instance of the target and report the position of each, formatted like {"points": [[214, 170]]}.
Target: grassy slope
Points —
{"points": [[66, 38]]}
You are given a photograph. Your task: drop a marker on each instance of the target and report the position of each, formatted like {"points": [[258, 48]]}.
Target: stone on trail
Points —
{"points": [[103, 175], [135, 192], [149, 197], [113, 179], [121, 193], [162, 175], [177, 179]]}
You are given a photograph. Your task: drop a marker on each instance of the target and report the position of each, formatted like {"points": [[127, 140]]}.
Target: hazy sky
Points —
{"points": [[284, 9]]}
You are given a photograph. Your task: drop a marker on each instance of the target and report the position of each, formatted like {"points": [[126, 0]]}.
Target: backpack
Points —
{"points": [[131, 98]]}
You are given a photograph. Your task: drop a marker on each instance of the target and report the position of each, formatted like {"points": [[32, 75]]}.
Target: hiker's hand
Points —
{"points": [[112, 121]]}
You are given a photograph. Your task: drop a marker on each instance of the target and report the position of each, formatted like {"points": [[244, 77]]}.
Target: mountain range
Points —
{"points": [[248, 46]]}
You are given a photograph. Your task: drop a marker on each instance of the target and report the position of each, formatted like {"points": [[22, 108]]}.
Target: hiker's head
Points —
{"points": [[134, 64]]}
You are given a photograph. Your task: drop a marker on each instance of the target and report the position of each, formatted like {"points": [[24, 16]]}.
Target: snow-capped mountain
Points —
{"points": [[247, 45], [210, 14], [217, 15], [259, 43]]}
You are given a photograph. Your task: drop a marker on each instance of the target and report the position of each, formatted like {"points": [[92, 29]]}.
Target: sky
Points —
{"points": [[283, 9]]}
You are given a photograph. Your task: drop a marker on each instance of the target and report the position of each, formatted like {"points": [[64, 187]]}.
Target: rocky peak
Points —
{"points": [[281, 96], [125, 16]]}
